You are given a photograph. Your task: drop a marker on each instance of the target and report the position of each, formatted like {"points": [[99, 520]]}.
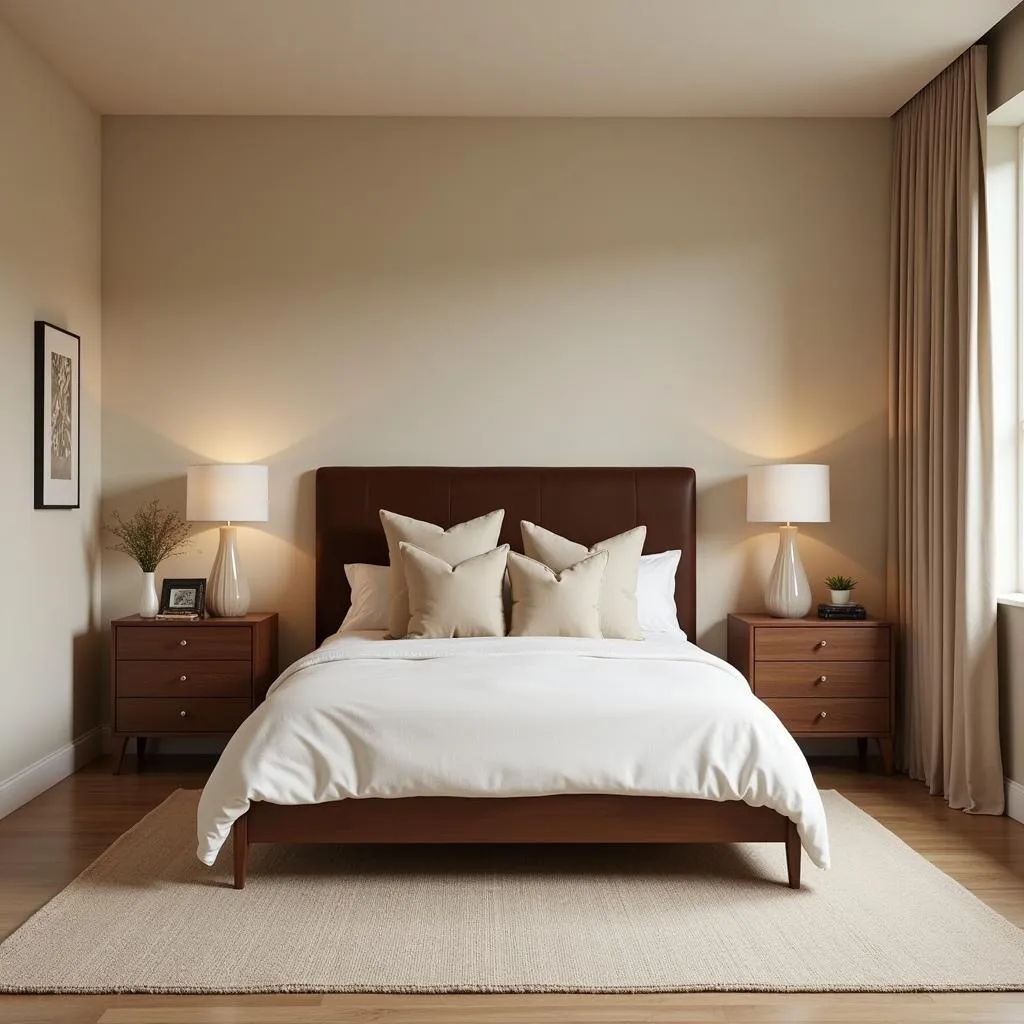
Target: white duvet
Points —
{"points": [[510, 716]]}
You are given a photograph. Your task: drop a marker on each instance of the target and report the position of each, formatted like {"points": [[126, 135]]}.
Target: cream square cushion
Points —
{"points": [[455, 600], [548, 603], [618, 596], [454, 545]]}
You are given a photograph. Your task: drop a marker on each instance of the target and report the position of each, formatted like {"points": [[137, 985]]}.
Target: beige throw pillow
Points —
{"points": [[454, 545], [618, 595], [455, 600], [547, 603]]}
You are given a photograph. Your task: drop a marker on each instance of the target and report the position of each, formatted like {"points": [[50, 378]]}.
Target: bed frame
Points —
{"points": [[586, 504]]}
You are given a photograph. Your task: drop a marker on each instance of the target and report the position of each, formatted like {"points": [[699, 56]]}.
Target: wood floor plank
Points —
{"points": [[713, 1008], [45, 844]]}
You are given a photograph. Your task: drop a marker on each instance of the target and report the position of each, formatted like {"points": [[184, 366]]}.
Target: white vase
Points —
{"points": [[788, 594], [149, 602], [839, 596], [227, 592]]}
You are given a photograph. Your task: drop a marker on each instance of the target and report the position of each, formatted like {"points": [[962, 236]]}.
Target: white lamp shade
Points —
{"points": [[788, 494], [227, 493]]}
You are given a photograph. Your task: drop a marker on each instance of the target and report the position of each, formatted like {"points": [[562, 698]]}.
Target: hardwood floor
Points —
{"points": [[49, 841]]}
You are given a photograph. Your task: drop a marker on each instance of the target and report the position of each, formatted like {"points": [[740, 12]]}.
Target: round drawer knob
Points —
{"points": [[184, 643], [821, 714], [184, 714], [184, 679], [821, 679], [818, 646]]}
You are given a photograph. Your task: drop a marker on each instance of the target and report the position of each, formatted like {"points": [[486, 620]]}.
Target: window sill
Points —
{"points": [[1014, 600]]}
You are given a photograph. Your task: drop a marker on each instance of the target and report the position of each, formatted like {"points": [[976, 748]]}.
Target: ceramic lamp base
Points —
{"points": [[227, 592], [788, 594]]}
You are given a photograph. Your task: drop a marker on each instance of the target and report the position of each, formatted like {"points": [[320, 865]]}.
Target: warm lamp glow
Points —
{"points": [[226, 493], [788, 494]]}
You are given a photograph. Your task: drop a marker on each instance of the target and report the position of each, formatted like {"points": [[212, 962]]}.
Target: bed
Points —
{"points": [[586, 504]]}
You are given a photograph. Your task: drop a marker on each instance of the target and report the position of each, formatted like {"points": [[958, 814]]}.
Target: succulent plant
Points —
{"points": [[840, 582]]}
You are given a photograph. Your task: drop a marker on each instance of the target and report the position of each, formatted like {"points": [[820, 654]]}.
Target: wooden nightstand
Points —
{"points": [[821, 677], [199, 678]]}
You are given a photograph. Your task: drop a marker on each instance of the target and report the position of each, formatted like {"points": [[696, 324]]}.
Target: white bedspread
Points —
{"points": [[502, 717]]}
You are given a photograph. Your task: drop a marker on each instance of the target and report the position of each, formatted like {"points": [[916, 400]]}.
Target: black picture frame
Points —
{"points": [[58, 417], [170, 605]]}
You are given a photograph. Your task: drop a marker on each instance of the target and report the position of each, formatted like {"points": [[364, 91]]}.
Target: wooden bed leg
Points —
{"points": [[793, 855], [240, 841]]}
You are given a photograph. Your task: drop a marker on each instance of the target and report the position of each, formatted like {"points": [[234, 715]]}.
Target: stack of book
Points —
{"points": [[842, 611]]}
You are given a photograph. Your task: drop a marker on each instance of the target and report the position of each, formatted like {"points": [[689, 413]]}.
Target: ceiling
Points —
{"points": [[631, 58]]}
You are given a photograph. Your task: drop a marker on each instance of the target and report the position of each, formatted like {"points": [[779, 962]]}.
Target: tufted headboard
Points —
{"points": [[584, 504]]}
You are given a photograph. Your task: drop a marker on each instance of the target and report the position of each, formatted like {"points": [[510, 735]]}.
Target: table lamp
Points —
{"points": [[227, 493], [788, 494]]}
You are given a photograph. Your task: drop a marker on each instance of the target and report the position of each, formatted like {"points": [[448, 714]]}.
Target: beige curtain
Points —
{"points": [[940, 572]]}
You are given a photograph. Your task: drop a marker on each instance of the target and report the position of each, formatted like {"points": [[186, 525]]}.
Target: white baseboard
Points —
{"points": [[1014, 800], [48, 771]]}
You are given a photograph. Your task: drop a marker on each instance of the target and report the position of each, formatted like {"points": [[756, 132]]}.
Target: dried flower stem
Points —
{"points": [[150, 535]]}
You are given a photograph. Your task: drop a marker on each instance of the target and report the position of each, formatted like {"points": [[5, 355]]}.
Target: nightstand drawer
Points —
{"points": [[191, 714], [856, 716], [822, 643], [807, 679], [210, 643], [184, 679]]}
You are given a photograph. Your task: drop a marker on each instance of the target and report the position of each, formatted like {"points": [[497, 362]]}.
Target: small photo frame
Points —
{"points": [[185, 598], [58, 417]]}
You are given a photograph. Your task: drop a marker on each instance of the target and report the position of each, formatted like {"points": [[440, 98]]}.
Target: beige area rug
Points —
{"points": [[147, 917]]}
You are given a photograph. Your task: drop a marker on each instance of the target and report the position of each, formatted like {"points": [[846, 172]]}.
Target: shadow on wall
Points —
{"points": [[122, 578], [277, 556], [856, 461], [88, 670], [87, 662], [733, 557]]}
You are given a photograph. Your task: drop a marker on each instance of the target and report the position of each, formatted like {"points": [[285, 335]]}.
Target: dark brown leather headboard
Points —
{"points": [[586, 504]]}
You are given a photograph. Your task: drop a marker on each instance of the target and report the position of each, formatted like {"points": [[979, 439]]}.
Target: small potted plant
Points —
{"points": [[840, 588], [149, 536]]}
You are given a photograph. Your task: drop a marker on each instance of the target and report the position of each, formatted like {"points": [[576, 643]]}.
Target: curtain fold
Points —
{"points": [[941, 579]]}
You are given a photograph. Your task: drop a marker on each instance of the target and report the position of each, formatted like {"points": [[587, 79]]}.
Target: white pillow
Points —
{"points": [[371, 594], [655, 595], [656, 592]]}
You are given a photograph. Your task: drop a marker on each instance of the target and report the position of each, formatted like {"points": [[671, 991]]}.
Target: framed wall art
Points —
{"points": [[58, 417]]}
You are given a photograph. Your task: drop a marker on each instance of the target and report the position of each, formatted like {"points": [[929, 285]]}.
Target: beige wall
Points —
{"points": [[1003, 182], [1002, 179], [1006, 58], [49, 270], [316, 291], [1011, 679]]}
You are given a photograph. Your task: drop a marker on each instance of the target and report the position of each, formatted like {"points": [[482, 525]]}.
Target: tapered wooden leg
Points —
{"points": [[240, 840], [120, 754], [885, 748], [140, 749], [793, 856]]}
